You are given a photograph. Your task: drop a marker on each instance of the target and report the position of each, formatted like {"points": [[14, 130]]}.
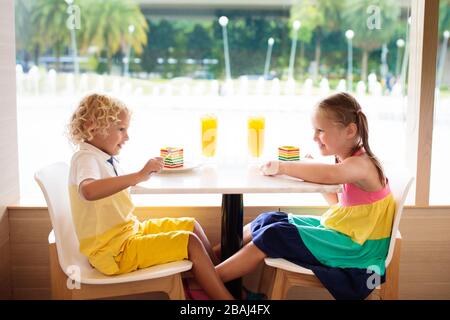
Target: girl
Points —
{"points": [[109, 234], [350, 241]]}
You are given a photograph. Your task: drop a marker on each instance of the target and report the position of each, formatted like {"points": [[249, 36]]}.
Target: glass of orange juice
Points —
{"points": [[209, 135], [256, 126]]}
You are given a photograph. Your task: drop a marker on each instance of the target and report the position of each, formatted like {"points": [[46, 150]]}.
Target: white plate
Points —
{"points": [[186, 167]]}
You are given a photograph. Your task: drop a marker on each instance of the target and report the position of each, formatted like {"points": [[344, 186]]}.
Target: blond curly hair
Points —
{"points": [[94, 115]]}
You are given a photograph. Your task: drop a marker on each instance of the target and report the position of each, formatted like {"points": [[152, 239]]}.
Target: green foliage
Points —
{"points": [[24, 28], [161, 46], [199, 42], [248, 35], [106, 26], [48, 18], [357, 17], [315, 16], [104, 36], [102, 67], [91, 64], [444, 16]]}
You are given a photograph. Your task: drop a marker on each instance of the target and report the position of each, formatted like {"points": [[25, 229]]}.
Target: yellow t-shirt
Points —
{"points": [[102, 226]]}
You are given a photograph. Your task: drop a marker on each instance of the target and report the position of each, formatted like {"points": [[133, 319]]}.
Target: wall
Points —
{"points": [[425, 253], [9, 178]]}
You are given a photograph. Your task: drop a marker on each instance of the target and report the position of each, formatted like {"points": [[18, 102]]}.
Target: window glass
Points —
{"points": [[173, 63], [440, 176]]}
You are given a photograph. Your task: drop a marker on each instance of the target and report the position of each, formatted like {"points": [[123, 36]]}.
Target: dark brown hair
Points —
{"points": [[344, 109]]}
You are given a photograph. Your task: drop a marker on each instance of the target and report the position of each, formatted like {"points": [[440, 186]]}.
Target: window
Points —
{"points": [[169, 64], [441, 128]]}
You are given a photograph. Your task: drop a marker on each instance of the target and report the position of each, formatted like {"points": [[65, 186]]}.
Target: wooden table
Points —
{"points": [[232, 182]]}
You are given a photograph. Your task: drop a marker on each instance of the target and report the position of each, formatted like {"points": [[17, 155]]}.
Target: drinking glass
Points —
{"points": [[209, 135], [256, 127]]}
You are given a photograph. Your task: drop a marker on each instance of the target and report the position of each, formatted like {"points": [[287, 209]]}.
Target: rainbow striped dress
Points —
{"points": [[345, 248]]}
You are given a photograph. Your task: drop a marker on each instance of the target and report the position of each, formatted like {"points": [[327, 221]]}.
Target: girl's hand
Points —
{"points": [[271, 168], [152, 165]]}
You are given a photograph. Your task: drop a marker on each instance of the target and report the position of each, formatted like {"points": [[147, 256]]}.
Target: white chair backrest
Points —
{"points": [[53, 181], [400, 182]]}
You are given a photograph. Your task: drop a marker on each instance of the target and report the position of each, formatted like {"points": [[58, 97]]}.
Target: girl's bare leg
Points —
{"points": [[204, 272], [246, 238], [198, 230], [241, 263]]}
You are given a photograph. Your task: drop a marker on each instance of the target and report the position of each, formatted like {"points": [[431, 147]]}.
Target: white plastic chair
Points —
{"points": [[280, 275], [72, 277]]}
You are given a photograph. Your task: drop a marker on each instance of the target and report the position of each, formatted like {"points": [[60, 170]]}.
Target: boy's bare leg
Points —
{"points": [[246, 238], [198, 230], [241, 263], [204, 271]]}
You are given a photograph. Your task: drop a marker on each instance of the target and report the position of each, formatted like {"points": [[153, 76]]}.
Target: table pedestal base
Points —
{"points": [[232, 227]]}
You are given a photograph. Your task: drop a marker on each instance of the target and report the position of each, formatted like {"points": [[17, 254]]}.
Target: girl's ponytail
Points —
{"points": [[363, 129]]}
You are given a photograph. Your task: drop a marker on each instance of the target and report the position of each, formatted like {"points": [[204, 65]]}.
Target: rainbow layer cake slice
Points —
{"points": [[173, 157], [288, 153]]}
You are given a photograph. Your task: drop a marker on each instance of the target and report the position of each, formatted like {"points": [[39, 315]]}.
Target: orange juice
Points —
{"points": [[256, 126], [209, 135]]}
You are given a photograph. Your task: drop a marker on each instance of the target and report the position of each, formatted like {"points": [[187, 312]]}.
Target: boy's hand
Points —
{"points": [[152, 165], [270, 168]]}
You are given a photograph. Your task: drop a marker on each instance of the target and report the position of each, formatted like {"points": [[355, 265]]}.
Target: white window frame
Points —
{"points": [[421, 88]]}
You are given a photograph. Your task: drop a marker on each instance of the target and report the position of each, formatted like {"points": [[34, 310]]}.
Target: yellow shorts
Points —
{"points": [[157, 241]]}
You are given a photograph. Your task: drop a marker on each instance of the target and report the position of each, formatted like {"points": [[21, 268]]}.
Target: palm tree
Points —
{"points": [[318, 18], [355, 17], [23, 9], [199, 42], [48, 19], [163, 35], [24, 29], [444, 16], [106, 26]]}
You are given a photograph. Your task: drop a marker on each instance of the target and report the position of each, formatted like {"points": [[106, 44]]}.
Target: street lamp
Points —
{"points": [[400, 44], [270, 43], [349, 34], [131, 29], [72, 23], [296, 25], [442, 58], [384, 65], [223, 21], [405, 59]]}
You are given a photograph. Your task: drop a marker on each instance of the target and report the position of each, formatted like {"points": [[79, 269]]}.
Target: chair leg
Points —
{"points": [[280, 286], [266, 280], [176, 291], [389, 290], [375, 295], [171, 285], [58, 277]]}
